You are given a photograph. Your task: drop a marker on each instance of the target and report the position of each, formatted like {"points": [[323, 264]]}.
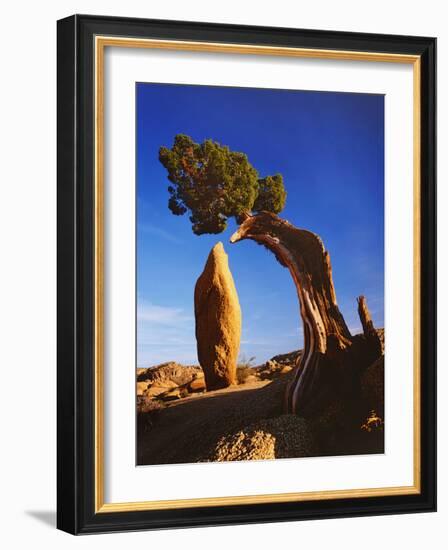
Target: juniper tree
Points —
{"points": [[214, 183]]}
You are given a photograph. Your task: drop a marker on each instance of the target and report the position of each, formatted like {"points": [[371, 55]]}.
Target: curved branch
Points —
{"points": [[327, 339]]}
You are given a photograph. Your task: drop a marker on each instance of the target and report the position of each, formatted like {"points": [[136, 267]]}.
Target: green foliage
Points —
{"points": [[214, 183], [271, 194]]}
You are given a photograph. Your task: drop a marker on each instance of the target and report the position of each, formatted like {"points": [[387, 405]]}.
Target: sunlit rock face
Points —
{"points": [[218, 321]]}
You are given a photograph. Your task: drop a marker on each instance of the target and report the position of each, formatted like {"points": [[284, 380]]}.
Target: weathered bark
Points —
{"points": [[332, 358], [364, 315]]}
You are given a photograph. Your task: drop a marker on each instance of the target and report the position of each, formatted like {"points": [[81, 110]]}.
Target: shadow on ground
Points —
{"points": [[47, 517], [188, 430]]}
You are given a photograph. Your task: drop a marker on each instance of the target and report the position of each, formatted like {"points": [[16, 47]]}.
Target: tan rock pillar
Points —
{"points": [[218, 321]]}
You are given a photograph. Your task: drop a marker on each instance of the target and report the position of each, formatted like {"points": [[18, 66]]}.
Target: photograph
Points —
{"points": [[267, 352]]}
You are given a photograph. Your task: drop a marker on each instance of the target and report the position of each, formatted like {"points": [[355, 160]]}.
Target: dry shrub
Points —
{"points": [[244, 369]]}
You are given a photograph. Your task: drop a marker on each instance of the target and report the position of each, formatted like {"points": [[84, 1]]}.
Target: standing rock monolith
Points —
{"points": [[218, 321]]}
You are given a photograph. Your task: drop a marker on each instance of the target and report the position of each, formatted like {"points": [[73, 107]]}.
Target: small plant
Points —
{"points": [[244, 368], [373, 423]]}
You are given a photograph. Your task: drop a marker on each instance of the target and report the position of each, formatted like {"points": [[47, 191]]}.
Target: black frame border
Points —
{"points": [[75, 271]]}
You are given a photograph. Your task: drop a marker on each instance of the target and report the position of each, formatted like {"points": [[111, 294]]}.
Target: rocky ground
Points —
{"points": [[179, 422]]}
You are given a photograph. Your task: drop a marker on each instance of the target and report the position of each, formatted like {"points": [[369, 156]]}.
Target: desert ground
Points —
{"points": [[178, 421]]}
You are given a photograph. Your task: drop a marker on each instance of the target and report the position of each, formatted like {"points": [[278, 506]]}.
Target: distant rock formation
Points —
{"points": [[290, 358], [218, 321], [171, 371], [273, 369], [161, 379]]}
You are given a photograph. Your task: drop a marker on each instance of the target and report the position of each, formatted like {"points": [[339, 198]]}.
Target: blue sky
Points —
{"points": [[329, 148]]}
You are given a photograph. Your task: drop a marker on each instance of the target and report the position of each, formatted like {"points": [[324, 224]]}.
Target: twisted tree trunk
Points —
{"points": [[332, 359]]}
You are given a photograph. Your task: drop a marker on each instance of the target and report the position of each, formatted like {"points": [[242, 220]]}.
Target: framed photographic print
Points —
{"points": [[204, 380]]}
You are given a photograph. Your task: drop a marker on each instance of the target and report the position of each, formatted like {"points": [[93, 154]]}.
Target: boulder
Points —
{"points": [[171, 395], [286, 369], [271, 369], [171, 371], [218, 321], [161, 387], [285, 436], [196, 385], [142, 387], [290, 358]]}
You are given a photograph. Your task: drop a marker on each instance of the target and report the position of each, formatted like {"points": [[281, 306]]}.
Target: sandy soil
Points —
{"points": [[189, 429]]}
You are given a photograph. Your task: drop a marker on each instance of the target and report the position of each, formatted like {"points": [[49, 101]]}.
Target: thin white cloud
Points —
{"points": [[159, 232], [164, 333], [161, 315]]}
